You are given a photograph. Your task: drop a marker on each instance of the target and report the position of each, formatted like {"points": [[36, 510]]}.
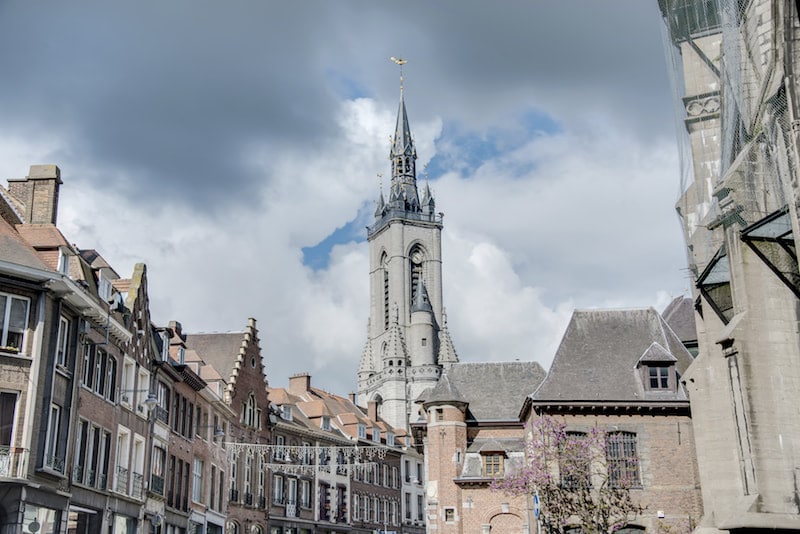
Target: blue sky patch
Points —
{"points": [[464, 151], [318, 257], [346, 87]]}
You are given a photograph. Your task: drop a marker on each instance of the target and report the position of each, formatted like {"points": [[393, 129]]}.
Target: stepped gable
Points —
{"points": [[597, 359], [220, 350]]}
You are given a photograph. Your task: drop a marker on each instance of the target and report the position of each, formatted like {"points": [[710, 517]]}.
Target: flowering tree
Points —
{"points": [[583, 478]]}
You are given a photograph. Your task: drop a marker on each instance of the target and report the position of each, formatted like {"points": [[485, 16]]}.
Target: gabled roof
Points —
{"points": [[42, 235], [597, 359], [218, 350], [14, 248], [679, 315], [493, 390]]}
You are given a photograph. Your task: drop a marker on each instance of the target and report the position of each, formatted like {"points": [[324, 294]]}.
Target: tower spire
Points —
{"points": [[403, 155]]}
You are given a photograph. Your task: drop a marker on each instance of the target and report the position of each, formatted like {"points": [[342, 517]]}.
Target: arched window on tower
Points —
{"points": [[415, 259], [385, 268]]}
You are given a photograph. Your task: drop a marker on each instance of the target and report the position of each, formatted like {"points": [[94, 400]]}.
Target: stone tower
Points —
{"points": [[407, 339]]}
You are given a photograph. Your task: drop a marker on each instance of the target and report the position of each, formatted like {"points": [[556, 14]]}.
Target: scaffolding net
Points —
{"points": [[728, 70]]}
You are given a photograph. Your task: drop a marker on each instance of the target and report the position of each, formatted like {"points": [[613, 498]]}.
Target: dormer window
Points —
{"points": [[286, 413], [390, 439], [325, 423], [376, 435], [658, 377], [362, 431]]}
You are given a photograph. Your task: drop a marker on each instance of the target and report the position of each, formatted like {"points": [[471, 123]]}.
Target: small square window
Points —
{"points": [[658, 377], [449, 515]]}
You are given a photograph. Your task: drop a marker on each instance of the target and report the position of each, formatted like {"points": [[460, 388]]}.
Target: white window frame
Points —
{"points": [[51, 441], [62, 342], [197, 480], [277, 489], [362, 431], [5, 320], [305, 494]]}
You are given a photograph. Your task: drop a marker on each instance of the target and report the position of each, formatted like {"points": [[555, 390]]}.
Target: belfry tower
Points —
{"points": [[407, 338]]}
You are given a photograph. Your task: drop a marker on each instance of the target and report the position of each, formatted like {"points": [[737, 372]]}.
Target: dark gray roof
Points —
{"points": [[495, 390], [443, 392], [598, 356], [218, 350], [679, 315]]}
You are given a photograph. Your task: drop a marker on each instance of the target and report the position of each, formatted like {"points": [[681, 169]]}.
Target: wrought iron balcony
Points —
{"points": [[291, 509], [122, 480], [138, 485], [13, 462], [157, 484]]}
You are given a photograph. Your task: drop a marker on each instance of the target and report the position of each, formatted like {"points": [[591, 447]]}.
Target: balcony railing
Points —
{"points": [[13, 462], [122, 479], [162, 414], [138, 485], [291, 509], [157, 484], [55, 463], [234, 495]]}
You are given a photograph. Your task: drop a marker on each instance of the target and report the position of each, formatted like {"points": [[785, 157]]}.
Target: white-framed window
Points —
{"points": [[362, 431], [277, 489], [197, 481], [14, 312], [8, 408], [306, 453], [376, 434], [104, 287], [305, 494], [279, 452], [291, 491], [122, 474], [325, 423], [376, 509], [390, 439], [63, 260], [286, 412], [248, 473], [62, 342], [52, 458], [355, 507]]}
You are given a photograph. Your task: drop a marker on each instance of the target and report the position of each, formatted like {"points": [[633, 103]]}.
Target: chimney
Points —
{"points": [[176, 327], [372, 410], [352, 397], [39, 193], [299, 383]]}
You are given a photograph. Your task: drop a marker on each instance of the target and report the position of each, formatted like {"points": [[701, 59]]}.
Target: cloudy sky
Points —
{"points": [[235, 148]]}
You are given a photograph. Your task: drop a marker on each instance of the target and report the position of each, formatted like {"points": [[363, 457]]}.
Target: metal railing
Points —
{"points": [[291, 509], [157, 484], [122, 479], [138, 485], [13, 462]]}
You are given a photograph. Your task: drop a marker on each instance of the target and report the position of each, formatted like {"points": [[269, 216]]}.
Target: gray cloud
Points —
{"points": [[229, 133]]}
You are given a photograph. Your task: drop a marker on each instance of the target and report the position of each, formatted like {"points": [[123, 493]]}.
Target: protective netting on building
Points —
{"points": [[735, 137]]}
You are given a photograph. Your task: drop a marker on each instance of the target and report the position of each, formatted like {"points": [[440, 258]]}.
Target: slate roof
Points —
{"points": [[598, 356], [494, 390], [679, 315], [218, 350]]}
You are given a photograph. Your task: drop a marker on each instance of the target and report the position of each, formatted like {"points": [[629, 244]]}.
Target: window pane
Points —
{"points": [[8, 403]]}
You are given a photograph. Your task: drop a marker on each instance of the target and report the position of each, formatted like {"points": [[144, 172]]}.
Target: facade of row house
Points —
{"points": [[237, 358], [105, 427], [337, 467]]}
